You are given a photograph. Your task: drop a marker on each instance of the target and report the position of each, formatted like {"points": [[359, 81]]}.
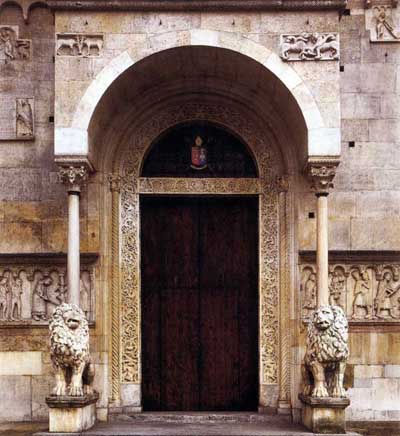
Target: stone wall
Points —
{"points": [[364, 206]]}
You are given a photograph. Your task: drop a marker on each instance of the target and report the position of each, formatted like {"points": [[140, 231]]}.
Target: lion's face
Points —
{"points": [[72, 319], [323, 318]]}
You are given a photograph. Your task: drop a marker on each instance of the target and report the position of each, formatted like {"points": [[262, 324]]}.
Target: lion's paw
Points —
{"points": [[76, 391], [320, 392], [338, 392]]}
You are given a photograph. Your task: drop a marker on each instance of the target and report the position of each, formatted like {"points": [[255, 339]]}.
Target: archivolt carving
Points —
{"points": [[129, 165]]}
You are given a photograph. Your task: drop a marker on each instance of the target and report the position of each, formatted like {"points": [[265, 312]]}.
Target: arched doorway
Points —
{"points": [[199, 277]]}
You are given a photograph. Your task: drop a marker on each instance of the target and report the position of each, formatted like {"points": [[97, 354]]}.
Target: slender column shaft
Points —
{"points": [[322, 249], [73, 247]]}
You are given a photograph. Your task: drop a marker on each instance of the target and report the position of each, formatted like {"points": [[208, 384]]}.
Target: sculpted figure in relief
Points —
{"points": [[310, 46], [40, 299], [362, 303], [384, 22], [337, 289], [69, 352], [326, 353], [4, 298], [16, 300], [310, 293], [24, 118], [384, 297], [6, 39]]}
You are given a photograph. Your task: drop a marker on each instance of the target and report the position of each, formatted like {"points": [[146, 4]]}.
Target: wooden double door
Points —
{"points": [[199, 272]]}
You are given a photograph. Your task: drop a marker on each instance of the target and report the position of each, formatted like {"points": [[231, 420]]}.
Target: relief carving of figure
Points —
{"points": [[16, 299], [362, 303], [337, 289], [40, 299], [6, 39], [24, 118], [384, 23], [383, 301], [323, 43], [310, 293], [84, 298], [4, 298]]}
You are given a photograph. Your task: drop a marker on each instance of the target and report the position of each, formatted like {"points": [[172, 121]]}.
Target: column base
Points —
{"points": [[71, 414], [324, 415]]}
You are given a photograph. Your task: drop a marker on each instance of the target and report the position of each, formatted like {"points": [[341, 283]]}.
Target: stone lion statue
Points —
{"points": [[69, 351], [326, 353]]}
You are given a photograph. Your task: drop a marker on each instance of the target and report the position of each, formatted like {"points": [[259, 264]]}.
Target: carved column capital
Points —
{"points": [[321, 175], [115, 182], [283, 183], [73, 176]]}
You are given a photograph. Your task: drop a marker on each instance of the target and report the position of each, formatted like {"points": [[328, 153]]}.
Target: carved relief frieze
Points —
{"points": [[79, 45], [383, 23], [12, 48], [30, 293], [309, 47], [132, 185], [17, 119], [367, 292]]}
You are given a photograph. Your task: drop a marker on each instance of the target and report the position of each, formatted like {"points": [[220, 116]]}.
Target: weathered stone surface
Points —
{"points": [[16, 398], [20, 363]]}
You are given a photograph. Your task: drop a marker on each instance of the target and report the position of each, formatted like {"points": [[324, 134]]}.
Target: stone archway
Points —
{"points": [[272, 191]]}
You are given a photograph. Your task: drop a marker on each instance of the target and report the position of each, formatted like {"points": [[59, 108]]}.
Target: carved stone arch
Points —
{"points": [[269, 186]]}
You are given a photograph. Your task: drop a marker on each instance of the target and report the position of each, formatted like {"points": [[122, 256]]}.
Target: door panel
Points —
{"points": [[199, 303]]}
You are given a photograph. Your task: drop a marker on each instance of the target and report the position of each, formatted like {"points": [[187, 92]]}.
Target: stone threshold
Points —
{"points": [[273, 426]]}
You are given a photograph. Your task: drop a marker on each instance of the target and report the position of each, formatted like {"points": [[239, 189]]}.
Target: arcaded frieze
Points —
{"points": [[367, 291], [29, 292], [309, 47]]}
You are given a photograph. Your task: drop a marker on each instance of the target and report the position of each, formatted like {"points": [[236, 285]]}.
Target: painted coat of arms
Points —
{"points": [[199, 154]]}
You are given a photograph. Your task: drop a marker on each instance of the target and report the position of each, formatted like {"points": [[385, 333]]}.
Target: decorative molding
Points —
{"points": [[383, 21], [12, 48], [79, 44], [321, 174], [266, 186], [30, 291], [309, 47], [198, 5], [198, 186], [368, 291]]}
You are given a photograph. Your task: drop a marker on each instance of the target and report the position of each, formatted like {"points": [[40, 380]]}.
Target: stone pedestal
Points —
{"points": [[71, 414], [324, 415]]}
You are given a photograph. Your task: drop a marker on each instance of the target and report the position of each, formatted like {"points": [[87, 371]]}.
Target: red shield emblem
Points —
{"points": [[199, 155]]}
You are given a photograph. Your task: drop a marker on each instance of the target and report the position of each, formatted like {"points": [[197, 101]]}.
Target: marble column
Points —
{"points": [[321, 176], [73, 177]]}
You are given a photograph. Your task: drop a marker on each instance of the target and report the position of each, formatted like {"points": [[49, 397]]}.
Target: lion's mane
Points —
{"points": [[68, 348], [330, 345]]}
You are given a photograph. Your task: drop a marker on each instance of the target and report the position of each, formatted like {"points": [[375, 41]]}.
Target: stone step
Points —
{"points": [[275, 426], [198, 417]]}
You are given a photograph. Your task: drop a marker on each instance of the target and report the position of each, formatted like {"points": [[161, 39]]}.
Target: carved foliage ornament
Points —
{"points": [[72, 175], [11, 47], [309, 47], [321, 176], [79, 45], [132, 185]]}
